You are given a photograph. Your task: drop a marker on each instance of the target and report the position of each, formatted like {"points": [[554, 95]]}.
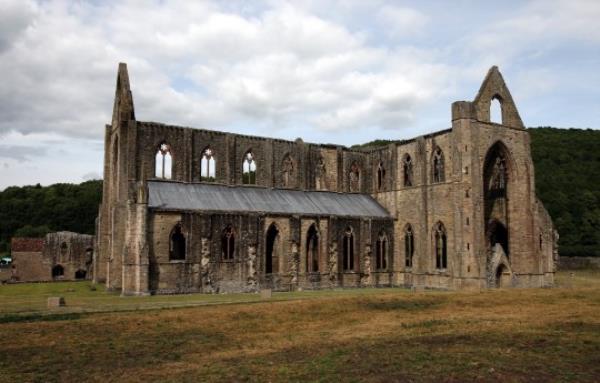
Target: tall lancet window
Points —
{"points": [[163, 162], [249, 169], [207, 166]]}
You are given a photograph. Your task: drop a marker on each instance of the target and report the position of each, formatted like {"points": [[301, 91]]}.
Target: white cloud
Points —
{"points": [[307, 68], [282, 67], [401, 21]]}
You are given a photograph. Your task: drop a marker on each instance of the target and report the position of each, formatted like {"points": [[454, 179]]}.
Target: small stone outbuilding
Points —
{"points": [[59, 256]]}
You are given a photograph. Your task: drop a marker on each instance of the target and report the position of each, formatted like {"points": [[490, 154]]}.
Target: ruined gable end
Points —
{"points": [[494, 89]]}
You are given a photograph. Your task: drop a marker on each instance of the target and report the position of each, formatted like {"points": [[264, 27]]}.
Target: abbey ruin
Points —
{"points": [[192, 210]]}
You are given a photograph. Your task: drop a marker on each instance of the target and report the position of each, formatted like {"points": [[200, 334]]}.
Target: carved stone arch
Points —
{"points": [[163, 160], [313, 249], [499, 272], [501, 147], [208, 168], [499, 175], [382, 250], [354, 176], [348, 249], [288, 171], [177, 243], [438, 165], [380, 178], [407, 170], [272, 249], [249, 167], [440, 245]]}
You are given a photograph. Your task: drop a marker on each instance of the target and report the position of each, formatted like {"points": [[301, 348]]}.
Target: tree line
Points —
{"points": [[567, 171]]}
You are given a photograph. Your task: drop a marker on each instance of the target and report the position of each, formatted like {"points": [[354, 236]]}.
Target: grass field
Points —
{"points": [[375, 335]]}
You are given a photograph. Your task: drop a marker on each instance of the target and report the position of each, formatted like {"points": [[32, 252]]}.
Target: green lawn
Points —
{"points": [[375, 335]]}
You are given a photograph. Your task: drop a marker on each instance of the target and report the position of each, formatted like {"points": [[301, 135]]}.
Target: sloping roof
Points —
{"points": [[222, 198]]}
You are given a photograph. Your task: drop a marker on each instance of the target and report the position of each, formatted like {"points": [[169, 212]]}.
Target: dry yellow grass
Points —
{"points": [[374, 335]]}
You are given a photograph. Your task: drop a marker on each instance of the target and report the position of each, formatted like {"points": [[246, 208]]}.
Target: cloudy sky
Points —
{"points": [[328, 71]]}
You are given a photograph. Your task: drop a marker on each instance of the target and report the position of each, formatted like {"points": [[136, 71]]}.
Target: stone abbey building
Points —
{"points": [[193, 210]]}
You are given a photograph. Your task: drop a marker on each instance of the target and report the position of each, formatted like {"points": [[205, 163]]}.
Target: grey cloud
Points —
{"points": [[22, 153]]}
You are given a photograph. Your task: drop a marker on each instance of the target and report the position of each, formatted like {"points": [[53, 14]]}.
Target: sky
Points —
{"points": [[343, 72]]}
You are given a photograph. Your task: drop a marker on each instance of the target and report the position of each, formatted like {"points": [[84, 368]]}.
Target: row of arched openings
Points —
{"points": [[164, 164], [177, 247], [440, 246], [437, 168], [58, 272]]}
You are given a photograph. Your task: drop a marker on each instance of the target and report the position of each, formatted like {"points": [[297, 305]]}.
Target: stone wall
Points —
{"points": [[58, 256]]}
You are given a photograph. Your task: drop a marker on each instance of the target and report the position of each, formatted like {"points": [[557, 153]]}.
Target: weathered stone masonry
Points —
{"points": [[192, 210]]}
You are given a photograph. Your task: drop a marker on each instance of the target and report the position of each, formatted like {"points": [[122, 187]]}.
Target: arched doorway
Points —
{"points": [[80, 274], [272, 259], [502, 276], [58, 272]]}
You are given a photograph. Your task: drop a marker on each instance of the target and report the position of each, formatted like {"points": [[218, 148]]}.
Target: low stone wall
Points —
{"points": [[575, 263]]}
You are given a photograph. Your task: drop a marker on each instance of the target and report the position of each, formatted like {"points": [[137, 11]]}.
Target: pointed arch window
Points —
{"points": [[163, 162], [380, 176], [207, 166], [249, 169], [354, 177], [312, 249], [177, 244], [272, 259], [441, 248], [348, 250], [438, 166], [409, 246], [287, 171], [227, 243], [381, 255], [407, 171], [496, 110]]}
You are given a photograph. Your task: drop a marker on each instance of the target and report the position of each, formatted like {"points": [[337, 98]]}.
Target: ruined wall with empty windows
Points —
{"points": [[64, 256], [457, 207]]}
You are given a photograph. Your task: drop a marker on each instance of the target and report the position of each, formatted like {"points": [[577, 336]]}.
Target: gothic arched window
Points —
{"points": [[409, 245], [287, 171], [438, 166], [163, 162], [381, 251], [496, 110], [249, 169], [380, 176], [407, 171], [312, 249], [207, 165], [227, 243], [177, 244], [320, 174], [354, 177], [348, 250], [441, 248]]}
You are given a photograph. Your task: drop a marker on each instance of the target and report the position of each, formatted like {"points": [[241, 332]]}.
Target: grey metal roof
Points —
{"points": [[222, 198]]}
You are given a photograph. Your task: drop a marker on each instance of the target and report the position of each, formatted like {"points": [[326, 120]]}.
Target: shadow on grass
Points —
{"points": [[18, 318]]}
